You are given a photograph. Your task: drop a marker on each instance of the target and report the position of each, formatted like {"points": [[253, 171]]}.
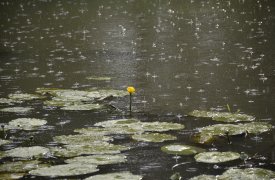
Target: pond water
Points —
{"points": [[179, 55]]}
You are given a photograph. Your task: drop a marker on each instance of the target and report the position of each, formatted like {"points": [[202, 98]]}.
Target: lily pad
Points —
{"points": [[2, 142], [203, 177], [9, 176], [153, 137], [116, 176], [107, 130], [138, 126], [98, 159], [81, 139], [21, 166], [83, 107], [61, 103], [26, 123], [180, 149], [216, 157], [99, 78], [65, 170], [104, 93], [28, 152], [208, 132], [247, 174], [222, 116], [17, 109], [78, 150], [25, 96], [9, 101]]}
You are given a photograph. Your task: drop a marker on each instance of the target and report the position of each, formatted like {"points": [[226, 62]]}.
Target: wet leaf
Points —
{"points": [[9, 101], [246, 174], [2, 142], [98, 159], [26, 123], [17, 109], [9, 176], [138, 126], [203, 177], [208, 132], [222, 116], [153, 137], [20, 166], [27, 152], [216, 157], [77, 150], [25, 96], [180, 149], [81, 139], [65, 170], [83, 107], [116, 176]]}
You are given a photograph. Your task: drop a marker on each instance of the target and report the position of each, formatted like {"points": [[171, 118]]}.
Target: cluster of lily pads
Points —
{"points": [[92, 146]]}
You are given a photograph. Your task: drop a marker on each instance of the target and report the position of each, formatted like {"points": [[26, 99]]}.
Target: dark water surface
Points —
{"points": [[180, 55]]}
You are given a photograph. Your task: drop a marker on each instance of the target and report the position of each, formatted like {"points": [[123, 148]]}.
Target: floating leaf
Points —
{"points": [[203, 177], [98, 159], [28, 152], [153, 137], [222, 116], [2, 142], [180, 149], [216, 157], [81, 139], [99, 78], [208, 132], [20, 166], [26, 123], [249, 173], [24, 96], [77, 150], [17, 109], [83, 107], [116, 176], [107, 130], [138, 126], [9, 101], [65, 170], [9, 176]]}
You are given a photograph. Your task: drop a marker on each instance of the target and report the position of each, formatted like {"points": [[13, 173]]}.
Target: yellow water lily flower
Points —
{"points": [[131, 89]]}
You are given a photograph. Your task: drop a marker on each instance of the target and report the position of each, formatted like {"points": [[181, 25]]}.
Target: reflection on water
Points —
{"points": [[180, 56]]}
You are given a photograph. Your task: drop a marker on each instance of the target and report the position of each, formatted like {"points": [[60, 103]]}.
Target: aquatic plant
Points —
{"points": [[216, 157], [131, 90], [181, 149], [116, 176]]}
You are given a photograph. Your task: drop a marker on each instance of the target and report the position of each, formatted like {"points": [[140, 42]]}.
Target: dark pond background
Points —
{"points": [[180, 55]]}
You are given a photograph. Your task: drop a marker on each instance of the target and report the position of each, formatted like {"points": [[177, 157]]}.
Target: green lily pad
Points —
{"points": [[107, 130], [83, 107], [9, 101], [61, 103], [21, 166], [216, 157], [65, 170], [203, 177], [153, 137], [81, 139], [28, 152], [2, 142], [222, 116], [247, 174], [78, 150], [207, 133], [180, 149], [99, 78], [138, 126], [98, 159], [26, 123], [116, 176], [25, 96], [17, 109], [9, 176], [104, 93]]}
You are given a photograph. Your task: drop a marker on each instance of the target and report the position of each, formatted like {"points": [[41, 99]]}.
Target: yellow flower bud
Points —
{"points": [[131, 89]]}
